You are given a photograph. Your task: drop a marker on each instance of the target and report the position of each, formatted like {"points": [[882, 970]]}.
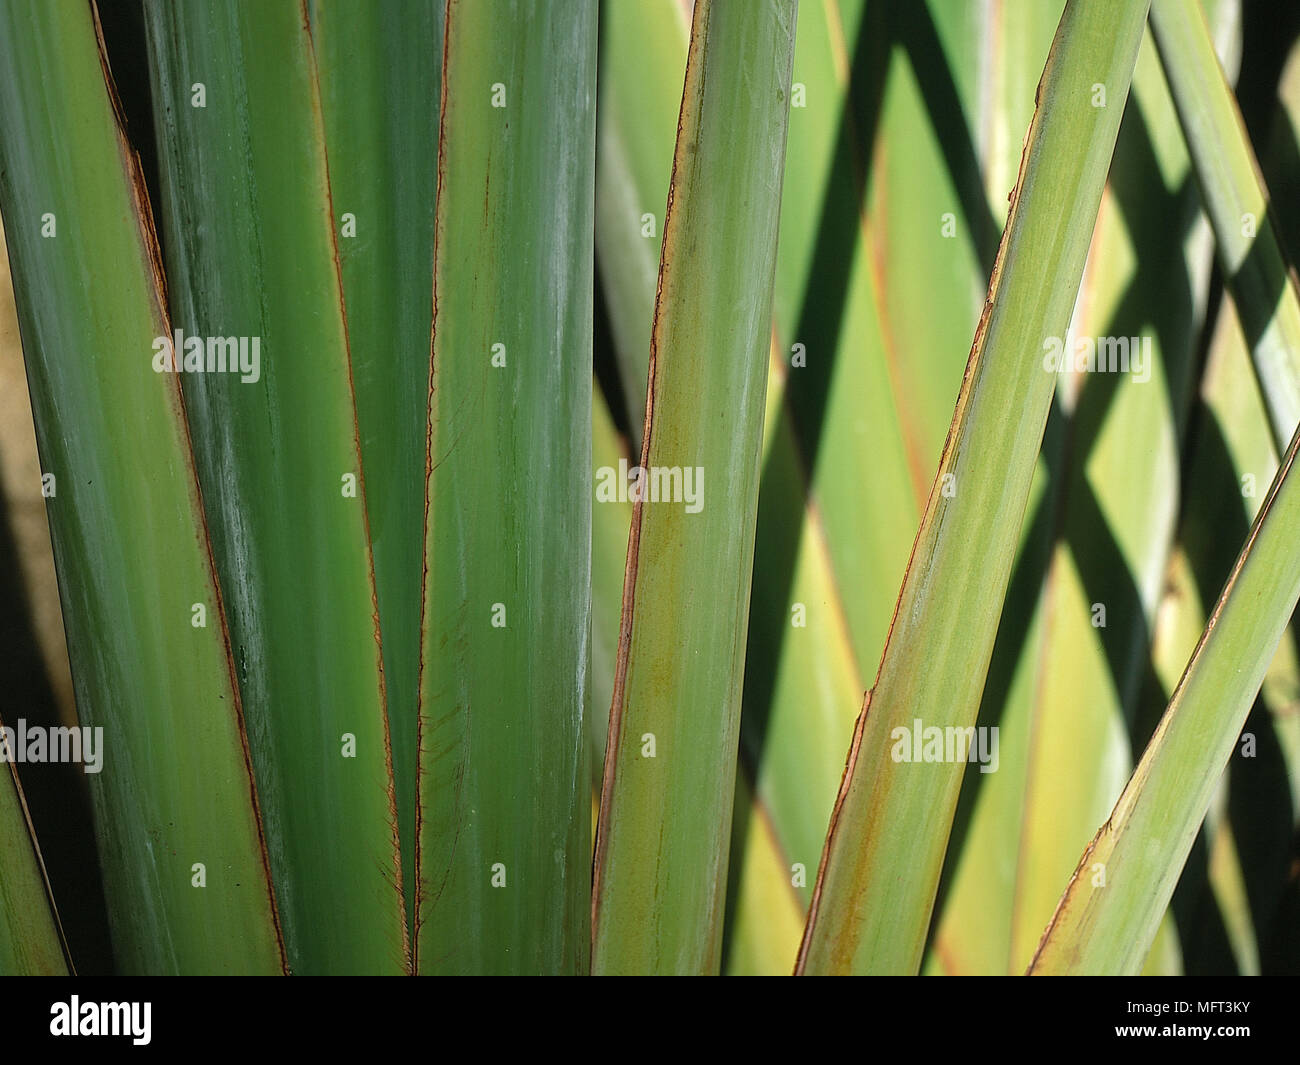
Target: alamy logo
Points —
{"points": [[36, 743], [102, 1018], [658, 484], [951, 744], [1099, 355], [241, 355]]}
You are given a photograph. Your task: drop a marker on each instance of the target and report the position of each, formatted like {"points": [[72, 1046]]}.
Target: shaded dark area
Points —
{"points": [[1267, 34], [1202, 935], [608, 379], [58, 798], [918, 35], [1280, 953], [1259, 793], [604, 356], [122, 23]]}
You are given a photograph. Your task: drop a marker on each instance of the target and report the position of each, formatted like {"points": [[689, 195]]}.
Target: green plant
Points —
{"points": [[350, 594]]}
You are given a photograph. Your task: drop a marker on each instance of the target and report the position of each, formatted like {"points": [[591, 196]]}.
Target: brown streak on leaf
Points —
{"points": [[389, 784], [428, 477], [1067, 896], [149, 245], [690, 92]]}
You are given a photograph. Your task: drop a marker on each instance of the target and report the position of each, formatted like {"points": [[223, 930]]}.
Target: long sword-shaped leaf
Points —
{"points": [[950, 114], [883, 251], [379, 80], [1108, 915], [176, 813], [1115, 518], [1248, 838], [801, 686], [504, 788], [882, 860], [1254, 265], [251, 253], [661, 850], [643, 54]]}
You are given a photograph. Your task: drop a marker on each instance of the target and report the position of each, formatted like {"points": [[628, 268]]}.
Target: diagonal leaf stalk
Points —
{"points": [[662, 842], [1246, 842], [1080, 715], [1254, 265], [881, 865], [950, 115], [1108, 916]]}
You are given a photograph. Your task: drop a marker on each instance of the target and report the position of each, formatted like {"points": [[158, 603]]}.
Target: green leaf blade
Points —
{"points": [[379, 80], [129, 537], [1150, 832], [871, 908], [251, 253], [663, 836], [504, 788]]}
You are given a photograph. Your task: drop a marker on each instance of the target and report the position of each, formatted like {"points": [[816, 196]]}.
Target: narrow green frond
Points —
{"points": [[254, 285], [662, 844], [378, 66], [180, 842], [1104, 923], [881, 865], [504, 790]]}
